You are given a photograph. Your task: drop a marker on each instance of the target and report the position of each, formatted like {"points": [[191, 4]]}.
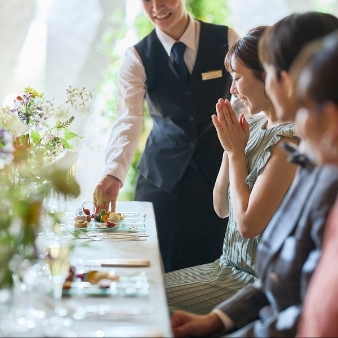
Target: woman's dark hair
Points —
{"points": [[315, 72], [246, 51], [281, 43]]}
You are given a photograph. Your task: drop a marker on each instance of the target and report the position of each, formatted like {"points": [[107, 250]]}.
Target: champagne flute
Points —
{"points": [[57, 257], [55, 206], [22, 320]]}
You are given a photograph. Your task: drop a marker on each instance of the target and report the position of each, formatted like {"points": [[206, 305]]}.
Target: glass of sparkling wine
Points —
{"points": [[57, 257], [55, 206]]}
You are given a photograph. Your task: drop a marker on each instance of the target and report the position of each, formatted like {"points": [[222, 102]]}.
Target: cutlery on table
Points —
{"points": [[97, 311], [124, 234], [116, 262], [117, 236]]}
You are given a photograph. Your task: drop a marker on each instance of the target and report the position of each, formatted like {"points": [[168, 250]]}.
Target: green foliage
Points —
{"points": [[109, 46], [215, 11], [21, 210], [142, 26], [69, 134], [325, 6], [115, 32]]}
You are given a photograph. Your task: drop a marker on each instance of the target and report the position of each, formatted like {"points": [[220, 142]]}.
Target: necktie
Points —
{"points": [[179, 63]]}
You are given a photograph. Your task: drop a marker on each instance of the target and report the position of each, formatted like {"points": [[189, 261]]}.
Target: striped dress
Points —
{"points": [[200, 288]]}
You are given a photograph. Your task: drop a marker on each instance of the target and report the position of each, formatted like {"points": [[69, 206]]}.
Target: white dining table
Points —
{"points": [[145, 315]]}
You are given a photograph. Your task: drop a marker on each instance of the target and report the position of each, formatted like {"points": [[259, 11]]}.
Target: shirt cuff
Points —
{"points": [[116, 171], [227, 322]]}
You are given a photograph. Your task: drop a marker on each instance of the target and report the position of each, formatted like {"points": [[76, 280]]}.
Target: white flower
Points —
{"points": [[6, 148]]}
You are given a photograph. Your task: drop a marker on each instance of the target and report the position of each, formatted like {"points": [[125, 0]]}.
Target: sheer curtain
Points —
{"points": [[50, 45]]}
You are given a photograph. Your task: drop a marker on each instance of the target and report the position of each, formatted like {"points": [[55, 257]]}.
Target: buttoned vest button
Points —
{"points": [[191, 144], [191, 118], [188, 92]]}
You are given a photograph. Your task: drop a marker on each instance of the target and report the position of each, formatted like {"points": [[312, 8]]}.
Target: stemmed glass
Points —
{"points": [[57, 257], [55, 206], [25, 273]]}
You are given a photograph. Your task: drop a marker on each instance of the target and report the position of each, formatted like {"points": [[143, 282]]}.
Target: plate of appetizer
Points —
{"points": [[106, 283], [86, 218]]}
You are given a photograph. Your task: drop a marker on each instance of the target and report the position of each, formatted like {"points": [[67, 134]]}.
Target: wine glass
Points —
{"points": [[57, 257], [56, 209], [24, 316]]}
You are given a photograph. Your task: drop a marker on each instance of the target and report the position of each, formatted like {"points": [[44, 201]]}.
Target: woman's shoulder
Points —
{"points": [[283, 129], [255, 120], [287, 130]]}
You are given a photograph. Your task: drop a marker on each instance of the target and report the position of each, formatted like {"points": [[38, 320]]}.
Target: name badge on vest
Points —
{"points": [[213, 74]]}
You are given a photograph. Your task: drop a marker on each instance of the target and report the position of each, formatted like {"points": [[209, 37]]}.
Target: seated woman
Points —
{"points": [[258, 175], [319, 96], [290, 246]]}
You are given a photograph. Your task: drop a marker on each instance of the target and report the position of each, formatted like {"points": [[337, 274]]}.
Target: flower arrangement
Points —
{"points": [[33, 133], [41, 130]]}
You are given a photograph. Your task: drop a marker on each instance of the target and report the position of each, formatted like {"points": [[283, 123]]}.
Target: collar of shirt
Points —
{"points": [[190, 37]]}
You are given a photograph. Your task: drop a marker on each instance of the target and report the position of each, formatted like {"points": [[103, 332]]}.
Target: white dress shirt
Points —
{"points": [[129, 117]]}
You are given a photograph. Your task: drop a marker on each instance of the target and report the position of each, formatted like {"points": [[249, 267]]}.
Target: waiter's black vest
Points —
{"points": [[181, 113]]}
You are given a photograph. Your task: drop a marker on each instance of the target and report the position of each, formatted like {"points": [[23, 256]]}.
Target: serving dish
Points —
{"points": [[132, 221]]}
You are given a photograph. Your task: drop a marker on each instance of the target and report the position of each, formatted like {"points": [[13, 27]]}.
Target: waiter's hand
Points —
{"points": [[106, 193]]}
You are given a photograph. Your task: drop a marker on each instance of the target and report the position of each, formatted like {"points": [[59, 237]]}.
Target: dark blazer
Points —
{"points": [[181, 112], [287, 256], [320, 311]]}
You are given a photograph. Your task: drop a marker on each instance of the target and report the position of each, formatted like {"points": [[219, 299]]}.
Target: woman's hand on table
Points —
{"points": [[186, 324]]}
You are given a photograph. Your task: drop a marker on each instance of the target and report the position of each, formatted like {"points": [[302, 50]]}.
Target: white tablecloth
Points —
{"points": [[154, 322]]}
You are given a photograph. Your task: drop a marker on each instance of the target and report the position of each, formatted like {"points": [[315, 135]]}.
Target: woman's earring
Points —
{"points": [[329, 149]]}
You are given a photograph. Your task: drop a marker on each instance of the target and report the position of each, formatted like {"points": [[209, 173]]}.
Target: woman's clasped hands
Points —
{"points": [[233, 133]]}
